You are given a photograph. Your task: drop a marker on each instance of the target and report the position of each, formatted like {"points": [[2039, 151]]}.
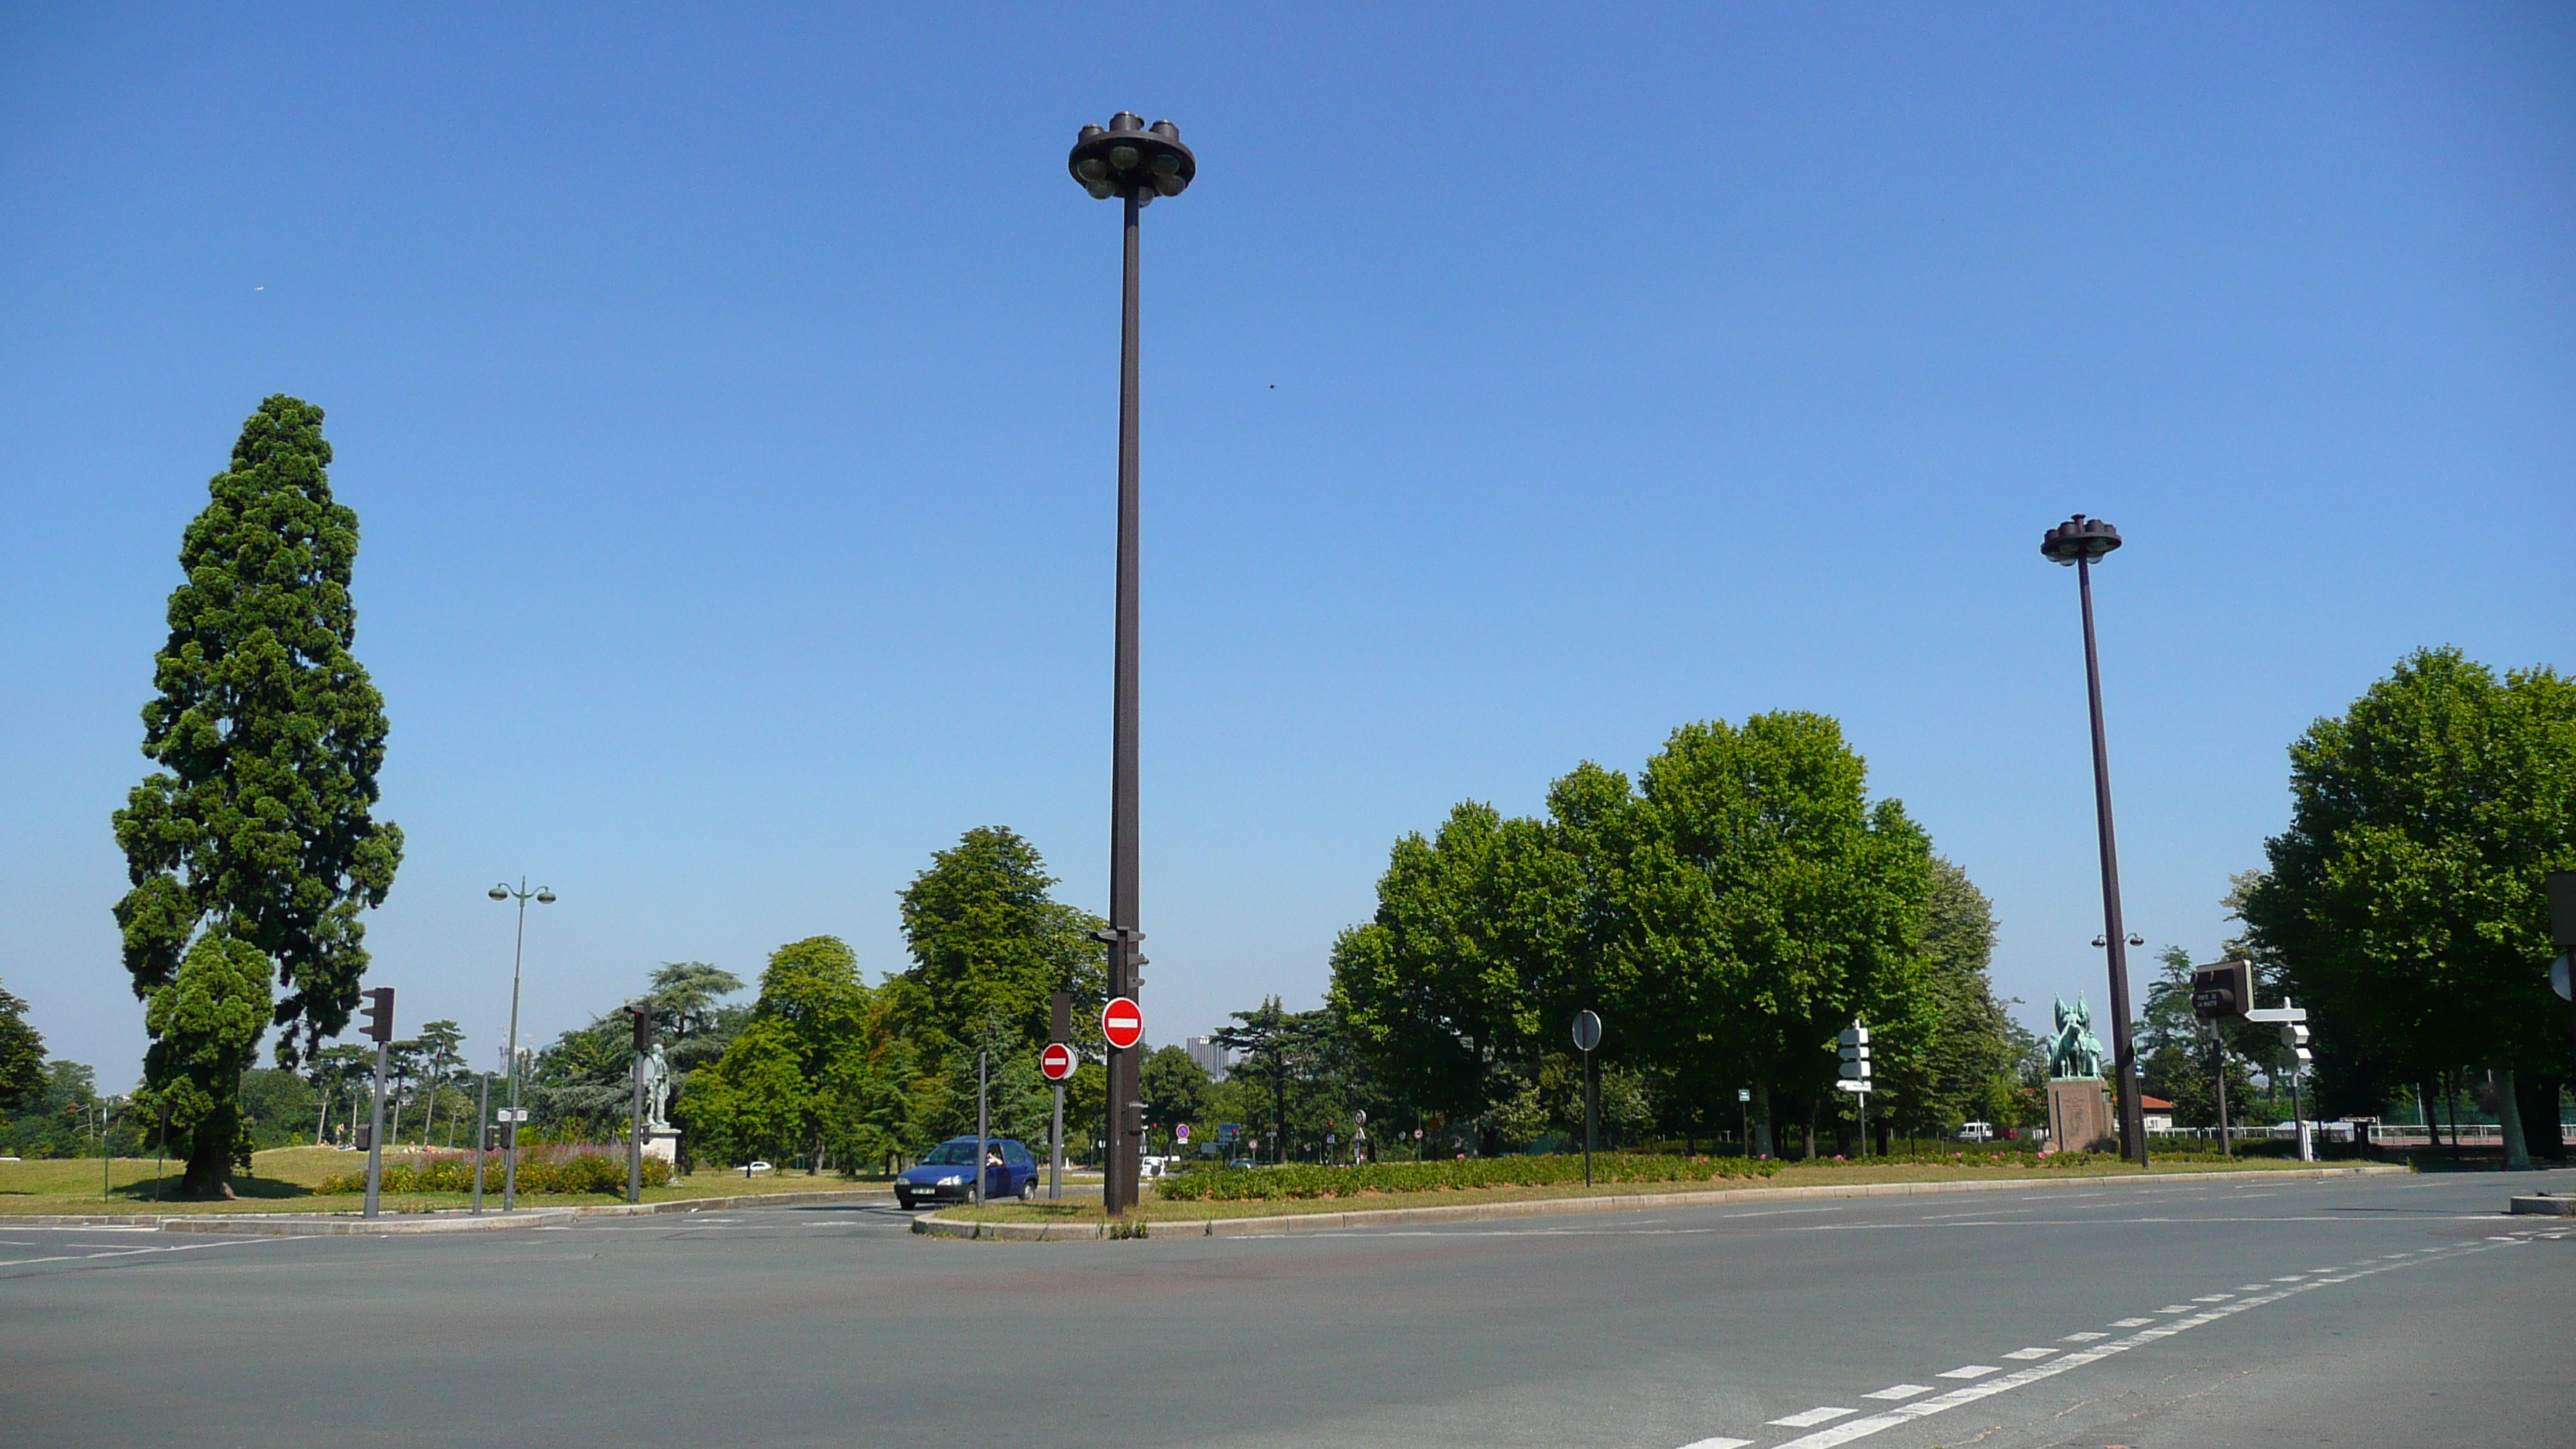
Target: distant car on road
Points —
{"points": [[1242, 1162], [948, 1173], [1977, 1132]]}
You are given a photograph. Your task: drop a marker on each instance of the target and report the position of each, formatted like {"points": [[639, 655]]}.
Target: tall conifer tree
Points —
{"points": [[256, 828]]}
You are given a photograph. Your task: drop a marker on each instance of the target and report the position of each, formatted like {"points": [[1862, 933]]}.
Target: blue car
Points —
{"points": [[948, 1173]]}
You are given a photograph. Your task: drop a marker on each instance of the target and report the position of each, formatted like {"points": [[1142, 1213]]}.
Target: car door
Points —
{"points": [[1020, 1166]]}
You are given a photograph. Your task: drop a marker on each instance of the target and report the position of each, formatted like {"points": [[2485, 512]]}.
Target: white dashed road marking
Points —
{"points": [[2030, 1353], [1900, 1392], [1812, 1418], [1861, 1428], [1969, 1371]]}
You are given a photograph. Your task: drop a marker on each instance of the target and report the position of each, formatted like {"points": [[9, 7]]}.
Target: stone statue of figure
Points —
{"points": [[2074, 1051], [657, 1089]]}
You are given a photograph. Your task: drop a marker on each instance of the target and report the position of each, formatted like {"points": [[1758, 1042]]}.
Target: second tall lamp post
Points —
{"points": [[1135, 162], [510, 1130], [2079, 542]]}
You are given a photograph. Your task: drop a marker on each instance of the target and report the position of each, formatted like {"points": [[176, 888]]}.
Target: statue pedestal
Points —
{"points": [[664, 1143], [2079, 1116]]}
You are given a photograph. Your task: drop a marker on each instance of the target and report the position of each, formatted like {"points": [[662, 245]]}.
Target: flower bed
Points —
{"points": [[1301, 1180], [543, 1170]]}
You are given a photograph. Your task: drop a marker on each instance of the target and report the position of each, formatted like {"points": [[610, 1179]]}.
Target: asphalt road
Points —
{"points": [[2377, 1311]]}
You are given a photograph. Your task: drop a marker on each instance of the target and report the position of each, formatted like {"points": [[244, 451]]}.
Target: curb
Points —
{"points": [[316, 1225], [2554, 1205], [301, 1225], [937, 1225]]}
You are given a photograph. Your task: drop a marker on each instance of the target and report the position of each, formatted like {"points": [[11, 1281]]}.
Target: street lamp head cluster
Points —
{"points": [[543, 896], [1129, 158], [2079, 538]]}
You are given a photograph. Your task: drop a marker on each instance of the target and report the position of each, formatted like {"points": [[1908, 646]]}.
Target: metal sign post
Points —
{"points": [[380, 1025], [482, 1138], [1587, 1035]]}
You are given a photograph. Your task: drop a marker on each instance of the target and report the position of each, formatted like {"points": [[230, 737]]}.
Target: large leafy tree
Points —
{"points": [[816, 1068], [1799, 903], [1966, 1066], [2404, 903], [258, 823], [989, 948], [22, 1053]]}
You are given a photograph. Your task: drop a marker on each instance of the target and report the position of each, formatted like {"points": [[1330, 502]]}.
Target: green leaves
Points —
{"points": [[268, 736], [2404, 902], [22, 1053], [205, 1026], [989, 947], [1726, 915]]}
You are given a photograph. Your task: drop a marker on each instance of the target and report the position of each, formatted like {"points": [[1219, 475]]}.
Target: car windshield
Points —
{"points": [[950, 1154]]}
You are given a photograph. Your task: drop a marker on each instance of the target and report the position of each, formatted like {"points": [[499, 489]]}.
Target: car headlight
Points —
{"points": [[952, 1180]]}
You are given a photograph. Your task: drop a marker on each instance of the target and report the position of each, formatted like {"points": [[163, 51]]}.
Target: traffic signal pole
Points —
{"points": [[376, 1133], [380, 1026]]}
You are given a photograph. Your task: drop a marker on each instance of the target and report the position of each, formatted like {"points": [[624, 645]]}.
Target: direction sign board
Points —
{"points": [[1123, 1022], [1057, 1062]]}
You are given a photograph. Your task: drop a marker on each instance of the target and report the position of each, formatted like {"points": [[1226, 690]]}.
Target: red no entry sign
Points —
{"points": [[1123, 1022], [1057, 1061]]}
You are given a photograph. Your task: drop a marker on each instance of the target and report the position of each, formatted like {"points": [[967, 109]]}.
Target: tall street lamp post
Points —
{"points": [[510, 1132], [1136, 163], [2078, 542]]}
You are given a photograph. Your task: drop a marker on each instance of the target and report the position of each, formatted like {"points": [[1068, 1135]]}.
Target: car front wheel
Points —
{"points": [[1029, 1190]]}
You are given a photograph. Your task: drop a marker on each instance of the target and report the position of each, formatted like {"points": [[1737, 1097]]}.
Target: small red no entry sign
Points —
{"points": [[1123, 1022], [1057, 1061]]}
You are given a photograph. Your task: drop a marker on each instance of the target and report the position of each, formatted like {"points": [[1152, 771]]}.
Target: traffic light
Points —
{"points": [[366, 1136], [2294, 1035], [380, 1014], [1855, 1044], [491, 1136], [2222, 992], [643, 1028]]}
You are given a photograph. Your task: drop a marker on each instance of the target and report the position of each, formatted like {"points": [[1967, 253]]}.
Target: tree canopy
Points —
{"points": [[1727, 914], [2404, 902], [258, 823], [22, 1053]]}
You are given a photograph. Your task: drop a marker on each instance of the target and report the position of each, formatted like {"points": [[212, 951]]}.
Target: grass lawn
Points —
{"points": [[283, 1180], [1795, 1174]]}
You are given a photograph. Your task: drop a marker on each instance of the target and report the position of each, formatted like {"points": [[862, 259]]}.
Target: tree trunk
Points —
{"points": [[2517, 1155], [210, 1160], [2541, 1131]]}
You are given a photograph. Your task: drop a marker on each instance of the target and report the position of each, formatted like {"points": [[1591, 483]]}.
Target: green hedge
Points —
{"points": [[1298, 1180], [539, 1172]]}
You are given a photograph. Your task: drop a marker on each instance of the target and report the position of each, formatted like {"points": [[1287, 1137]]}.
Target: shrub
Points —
{"points": [[1236, 1184], [573, 1168]]}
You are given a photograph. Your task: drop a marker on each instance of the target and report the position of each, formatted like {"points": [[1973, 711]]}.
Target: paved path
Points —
{"points": [[2356, 1311]]}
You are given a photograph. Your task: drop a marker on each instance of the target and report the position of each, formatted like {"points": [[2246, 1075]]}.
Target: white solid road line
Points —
{"points": [[1812, 1417], [132, 1252], [1846, 1432]]}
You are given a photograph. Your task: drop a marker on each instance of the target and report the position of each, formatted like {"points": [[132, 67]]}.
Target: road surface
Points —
{"points": [[2371, 1311]]}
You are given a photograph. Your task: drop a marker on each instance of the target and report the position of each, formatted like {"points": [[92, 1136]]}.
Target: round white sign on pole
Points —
{"points": [[1587, 1031], [1057, 1062]]}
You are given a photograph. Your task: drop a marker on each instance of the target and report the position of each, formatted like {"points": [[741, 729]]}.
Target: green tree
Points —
{"points": [[1175, 1087], [1966, 1067], [442, 1051], [2404, 903], [258, 823], [1799, 905], [989, 945], [813, 1063], [205, 1025], [687, 999], [22, 1053]]}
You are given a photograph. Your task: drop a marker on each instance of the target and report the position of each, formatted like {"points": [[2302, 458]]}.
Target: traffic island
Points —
{"points": [[2544, 1204], [1174, 1220]]}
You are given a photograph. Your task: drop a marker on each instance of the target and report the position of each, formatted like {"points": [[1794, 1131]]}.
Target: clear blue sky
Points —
{"points": [[729, 405]]}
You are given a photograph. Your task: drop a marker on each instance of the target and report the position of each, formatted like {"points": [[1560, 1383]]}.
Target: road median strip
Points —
{"points": [[940, 1225]]}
